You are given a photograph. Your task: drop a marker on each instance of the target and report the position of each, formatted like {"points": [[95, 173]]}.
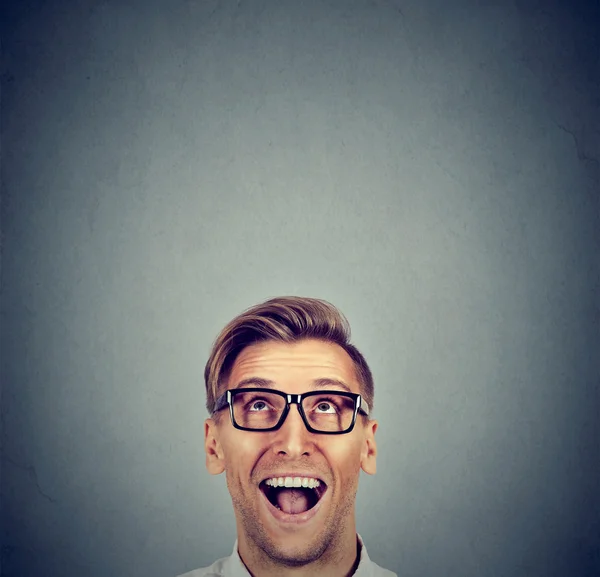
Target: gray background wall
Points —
{"points": [[429, 167]]}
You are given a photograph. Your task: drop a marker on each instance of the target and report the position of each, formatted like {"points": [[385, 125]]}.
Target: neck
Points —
{"points": [[340, 560]]}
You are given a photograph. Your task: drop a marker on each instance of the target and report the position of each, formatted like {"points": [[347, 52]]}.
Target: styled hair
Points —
{"points": [[284, 319]]}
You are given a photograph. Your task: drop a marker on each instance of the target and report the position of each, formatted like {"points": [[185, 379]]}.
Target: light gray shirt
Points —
{"points": [[232, 566]]}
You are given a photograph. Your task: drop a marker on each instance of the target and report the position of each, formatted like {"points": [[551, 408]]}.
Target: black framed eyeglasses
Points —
{"points": [[323, 412]]}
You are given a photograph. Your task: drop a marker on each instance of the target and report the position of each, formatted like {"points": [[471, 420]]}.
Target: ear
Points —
{"points": [[215, 459], [369, 454]]}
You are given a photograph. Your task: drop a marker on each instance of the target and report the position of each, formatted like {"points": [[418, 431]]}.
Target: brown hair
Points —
{"points": [[284, 319]]}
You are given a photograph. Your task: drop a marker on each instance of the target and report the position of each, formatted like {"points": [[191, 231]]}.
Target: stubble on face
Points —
{"points": [[336, 524]]}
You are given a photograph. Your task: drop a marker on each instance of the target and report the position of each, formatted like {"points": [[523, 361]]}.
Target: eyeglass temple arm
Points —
{"points": [[363, 408], [220, 403]]}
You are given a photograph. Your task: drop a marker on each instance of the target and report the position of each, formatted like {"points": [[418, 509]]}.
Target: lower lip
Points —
{"points": [[289, 518]]}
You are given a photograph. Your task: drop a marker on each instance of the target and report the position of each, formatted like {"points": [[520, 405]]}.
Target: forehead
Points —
{"points": [[294, 365]]}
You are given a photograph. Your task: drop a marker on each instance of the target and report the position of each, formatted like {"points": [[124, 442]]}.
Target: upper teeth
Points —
{"points": [[293, 482]]}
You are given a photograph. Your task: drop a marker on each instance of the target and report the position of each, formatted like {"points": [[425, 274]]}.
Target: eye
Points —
{"points": [[325, 407], [258, 406]]}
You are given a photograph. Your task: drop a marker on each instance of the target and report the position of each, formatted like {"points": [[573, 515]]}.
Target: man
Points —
{"points": [[290, 399]]}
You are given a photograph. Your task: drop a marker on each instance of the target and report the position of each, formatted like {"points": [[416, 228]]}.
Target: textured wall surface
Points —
{"points": [[432, 168]]}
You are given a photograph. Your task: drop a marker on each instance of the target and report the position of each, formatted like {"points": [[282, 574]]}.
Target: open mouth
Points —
{"points": [[294, 498]]}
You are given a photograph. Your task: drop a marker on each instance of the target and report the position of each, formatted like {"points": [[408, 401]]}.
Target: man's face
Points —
{"points": [[249, 458]]}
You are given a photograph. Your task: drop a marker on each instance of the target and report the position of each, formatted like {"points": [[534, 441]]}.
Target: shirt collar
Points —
{"points": [[234, 566]]}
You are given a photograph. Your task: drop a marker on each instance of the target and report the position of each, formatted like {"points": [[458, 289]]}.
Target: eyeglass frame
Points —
{"points": [[227, 399]]}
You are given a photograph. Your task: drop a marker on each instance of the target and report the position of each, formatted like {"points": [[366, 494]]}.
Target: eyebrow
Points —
{"points": [[316, 384]]}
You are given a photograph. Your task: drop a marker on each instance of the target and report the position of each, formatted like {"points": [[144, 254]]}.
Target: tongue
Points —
{"points": [[292, 500]]}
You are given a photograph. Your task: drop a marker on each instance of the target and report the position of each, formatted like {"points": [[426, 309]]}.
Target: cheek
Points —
{"points": [[241, 453], [344, 458]]}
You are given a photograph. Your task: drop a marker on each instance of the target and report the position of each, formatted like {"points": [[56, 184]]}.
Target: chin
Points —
{"points": [[289, 548], [291, 554]]}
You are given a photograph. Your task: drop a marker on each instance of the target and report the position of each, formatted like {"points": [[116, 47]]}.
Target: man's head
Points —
{"points": [[292, 345]]}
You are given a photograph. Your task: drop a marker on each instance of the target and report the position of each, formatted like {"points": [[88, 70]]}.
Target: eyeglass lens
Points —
{"points": [[262, 410]]}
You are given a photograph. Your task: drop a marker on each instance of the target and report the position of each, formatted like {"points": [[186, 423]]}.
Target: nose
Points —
{"points": [[293, 438]]}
